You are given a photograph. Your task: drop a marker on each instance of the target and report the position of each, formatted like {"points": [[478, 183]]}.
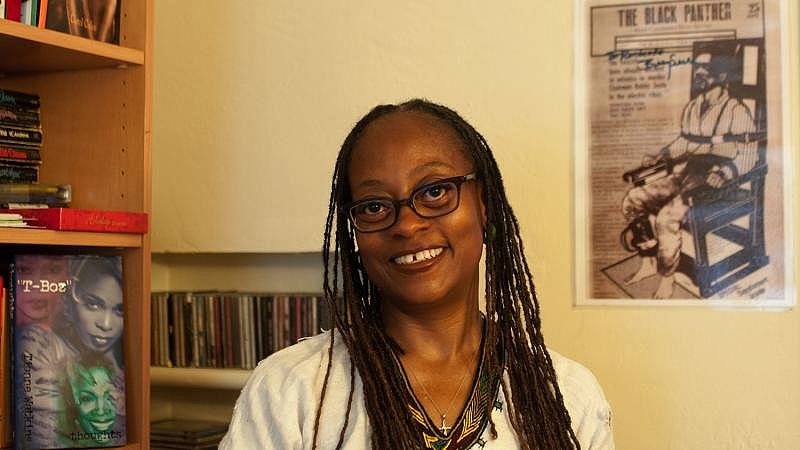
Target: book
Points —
{"points": [[71, 219], [12, 220], [14, 99], [13, 10], [21, 136], [97, 20], [5, 370], [48, 194], [20, 118], [20, 155], [18, 173], [69, 375], [2, 9]]}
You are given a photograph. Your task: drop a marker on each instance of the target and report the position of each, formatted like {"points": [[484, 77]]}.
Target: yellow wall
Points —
{"points": [[277, 87]]}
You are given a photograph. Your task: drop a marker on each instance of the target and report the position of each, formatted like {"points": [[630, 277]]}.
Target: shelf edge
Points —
{"points": [[183, 377]]}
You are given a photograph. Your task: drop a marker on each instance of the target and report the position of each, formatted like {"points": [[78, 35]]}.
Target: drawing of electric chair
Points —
{"points": [[723, 228]]}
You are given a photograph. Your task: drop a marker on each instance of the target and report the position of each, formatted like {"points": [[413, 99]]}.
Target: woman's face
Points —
{"points": [[99, 312], [95, 396], [39, 299], [396, 154]]}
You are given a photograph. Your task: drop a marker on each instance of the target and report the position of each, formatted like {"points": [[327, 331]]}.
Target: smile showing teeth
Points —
{"points": [[419, 256]]}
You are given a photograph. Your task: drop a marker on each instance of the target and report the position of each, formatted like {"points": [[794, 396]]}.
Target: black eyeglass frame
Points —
{"points": [[458, 181]]}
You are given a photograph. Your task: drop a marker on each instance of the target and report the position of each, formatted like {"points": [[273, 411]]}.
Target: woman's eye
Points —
{"points": [[372, 208], [435, 192], [93, 304]]}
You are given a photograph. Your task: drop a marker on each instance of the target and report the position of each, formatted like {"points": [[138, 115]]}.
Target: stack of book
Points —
{"points": [[183, 434], [20, 137], [230, 329]]}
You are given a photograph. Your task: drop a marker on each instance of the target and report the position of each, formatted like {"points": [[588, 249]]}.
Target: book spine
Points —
{"points": [[154, 327], [20, 155], [268, 324], [2, 9], [13, 8], [218, 330], [19, 118], [15, 99], [18, 174], [5, 371], [195, 332], [259, 328], [87, 220], [41, 20], [24, 136], [229, 334], [163, 330]]}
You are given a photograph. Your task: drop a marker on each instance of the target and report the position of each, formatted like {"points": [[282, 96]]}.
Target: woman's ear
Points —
{"points": [[482, 204]]}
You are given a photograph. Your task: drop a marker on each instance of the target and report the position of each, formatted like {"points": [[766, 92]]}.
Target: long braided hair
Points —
{"points": [[536, 406]]}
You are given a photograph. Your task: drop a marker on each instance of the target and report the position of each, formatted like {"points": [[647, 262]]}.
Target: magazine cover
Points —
{"points": [[681, 167], [69, 379]]}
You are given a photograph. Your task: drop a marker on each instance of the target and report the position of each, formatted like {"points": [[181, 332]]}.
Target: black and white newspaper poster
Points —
{"points": [[682, 174]]}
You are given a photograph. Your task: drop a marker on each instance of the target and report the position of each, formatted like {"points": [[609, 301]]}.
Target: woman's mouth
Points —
{"points": [[418, 257], [99, 341]]}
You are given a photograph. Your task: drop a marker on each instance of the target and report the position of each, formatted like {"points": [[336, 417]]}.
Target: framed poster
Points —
{"points": [[682, 173]]}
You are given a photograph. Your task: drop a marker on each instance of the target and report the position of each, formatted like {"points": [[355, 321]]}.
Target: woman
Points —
{"points": [[412, 362]]}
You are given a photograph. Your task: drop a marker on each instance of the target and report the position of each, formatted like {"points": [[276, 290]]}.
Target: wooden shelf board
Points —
{"points": [[26, 236], [233, 379], [28, 49]]}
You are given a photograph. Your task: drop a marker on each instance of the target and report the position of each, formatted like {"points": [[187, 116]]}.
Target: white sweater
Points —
{"points": [[278, 405]]}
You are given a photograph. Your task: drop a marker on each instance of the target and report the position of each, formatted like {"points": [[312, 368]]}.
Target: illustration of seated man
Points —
{"points": [[90, 405], [716, 144]]}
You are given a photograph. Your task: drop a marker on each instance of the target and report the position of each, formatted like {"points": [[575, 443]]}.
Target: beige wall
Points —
{"points": [[251, 105]]}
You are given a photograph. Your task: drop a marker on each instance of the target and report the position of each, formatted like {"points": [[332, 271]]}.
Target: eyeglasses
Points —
{"points": [[429, 201]]}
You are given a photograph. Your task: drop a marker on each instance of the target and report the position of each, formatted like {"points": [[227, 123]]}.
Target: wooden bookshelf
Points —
{"points": [[95, 114]]}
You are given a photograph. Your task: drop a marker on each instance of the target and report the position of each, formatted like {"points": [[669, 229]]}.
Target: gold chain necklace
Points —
{"points": [[442, 414]]}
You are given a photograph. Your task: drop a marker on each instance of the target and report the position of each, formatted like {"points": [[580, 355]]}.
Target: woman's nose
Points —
{"points": [[104, 322], [408, 221]]}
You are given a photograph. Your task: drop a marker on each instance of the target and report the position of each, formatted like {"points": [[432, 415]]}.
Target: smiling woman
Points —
{"points": [[412, 362]]}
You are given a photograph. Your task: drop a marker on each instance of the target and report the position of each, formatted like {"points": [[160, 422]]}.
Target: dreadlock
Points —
{"points": [[536, 406]]}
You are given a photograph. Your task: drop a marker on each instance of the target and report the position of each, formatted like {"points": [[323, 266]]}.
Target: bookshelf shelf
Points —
{"points": [[28, 49], [21, 236], [230, 379]]}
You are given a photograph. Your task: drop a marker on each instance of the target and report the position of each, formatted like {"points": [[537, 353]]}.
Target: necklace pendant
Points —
{"points": [[445, 429]]}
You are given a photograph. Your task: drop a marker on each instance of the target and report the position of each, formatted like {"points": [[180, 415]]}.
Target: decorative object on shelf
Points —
{"points": [[71, 219], [69, 375], [93, 19]]}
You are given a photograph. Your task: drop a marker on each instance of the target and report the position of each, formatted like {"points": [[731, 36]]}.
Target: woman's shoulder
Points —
{"points": [[299, 362], [584, 398]]}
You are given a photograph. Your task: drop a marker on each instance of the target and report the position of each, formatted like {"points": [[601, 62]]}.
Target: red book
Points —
{"points": [[72, 219], [14, 10]]}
